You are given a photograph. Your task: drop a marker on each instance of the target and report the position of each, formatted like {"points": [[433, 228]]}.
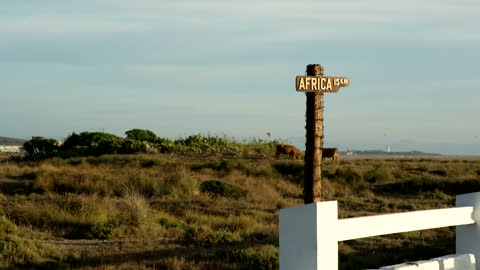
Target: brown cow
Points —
{"points": [[330, 153], [287, 149]]}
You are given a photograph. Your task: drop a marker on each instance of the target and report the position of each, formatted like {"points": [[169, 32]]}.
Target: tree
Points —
{"points": [[141, 135], [91, 143], [40, 147]]}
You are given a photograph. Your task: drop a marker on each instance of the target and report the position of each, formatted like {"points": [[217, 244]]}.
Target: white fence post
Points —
{"points": [[468, 236], [309, 234], [308, 239]]}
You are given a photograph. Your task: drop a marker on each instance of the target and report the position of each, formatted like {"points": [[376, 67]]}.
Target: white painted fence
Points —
{"points": [[449, 262], [309, 234]]}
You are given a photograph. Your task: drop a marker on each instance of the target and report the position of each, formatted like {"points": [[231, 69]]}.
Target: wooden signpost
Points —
{"points": [[315, 84]]}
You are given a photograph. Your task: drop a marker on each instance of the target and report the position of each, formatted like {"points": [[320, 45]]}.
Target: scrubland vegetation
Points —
{"points": [[211, 206]]}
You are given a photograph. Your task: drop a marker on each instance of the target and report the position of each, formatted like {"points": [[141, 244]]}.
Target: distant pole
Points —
{"points": [[312, 191]]}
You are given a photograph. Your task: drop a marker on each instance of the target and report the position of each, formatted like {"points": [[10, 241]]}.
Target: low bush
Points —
{"points": [[291, 170], [141, 135], [169, 221], [204, 236], [264, 257], [145, 141], [6, 226], [439, 172], [16, 250], [424, 185], [39, 148], [104, 230], [179, 183], [349, 175], [221, 188], [221, 165], [75, 217], [131, 210], [380, 173]]}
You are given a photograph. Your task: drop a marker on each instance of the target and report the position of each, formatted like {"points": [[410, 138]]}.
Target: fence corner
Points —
{"points": [[307, 236]]}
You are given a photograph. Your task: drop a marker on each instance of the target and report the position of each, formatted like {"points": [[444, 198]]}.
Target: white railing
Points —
{"points": [[309, 234], [360, 227]]}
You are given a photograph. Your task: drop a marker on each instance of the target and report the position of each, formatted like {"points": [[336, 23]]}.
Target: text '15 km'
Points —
{"points": [[320, 83]]}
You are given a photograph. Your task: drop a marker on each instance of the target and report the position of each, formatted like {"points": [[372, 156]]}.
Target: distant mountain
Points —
{"points": [[401, 146], [11, 141], [385, 153]]}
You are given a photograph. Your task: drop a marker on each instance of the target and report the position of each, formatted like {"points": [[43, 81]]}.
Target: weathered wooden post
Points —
{"points": [[315, 84], [307, 236]]}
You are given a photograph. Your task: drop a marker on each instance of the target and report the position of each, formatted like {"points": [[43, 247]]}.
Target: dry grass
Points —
{"points": [[149, 212]]}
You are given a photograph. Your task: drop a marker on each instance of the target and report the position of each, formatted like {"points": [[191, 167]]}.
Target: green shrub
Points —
{"points": [[220, 188], [225, 166], [423, 185], [439, 172], [261, 170], [140, 141], [147, 163], [259, 257], [15, 250], [75, 161], [90, 143], [130, 146], [179, 183], [437, 195], [141, 135], [291, 170], [200, 144], [103, 230], [165, 145], [65, 215], [406, 206], [132, 210], [40, 148], [169, 221], [349, 175], [381, 173], [261, 148], [203, 236], [6, 226]]}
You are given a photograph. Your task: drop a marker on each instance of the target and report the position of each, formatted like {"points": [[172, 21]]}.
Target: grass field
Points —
{"points": [[168, 211]]}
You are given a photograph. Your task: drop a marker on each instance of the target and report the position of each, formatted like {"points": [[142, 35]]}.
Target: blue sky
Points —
{"points": [[228, 68]]}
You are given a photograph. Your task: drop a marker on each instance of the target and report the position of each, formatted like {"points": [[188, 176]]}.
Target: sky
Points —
{"points": [[228, 68]]}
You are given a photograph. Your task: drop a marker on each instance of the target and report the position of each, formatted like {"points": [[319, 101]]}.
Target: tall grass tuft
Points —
{"points": [[205, 236], [380, 173], [132, 210], [264, 257]]}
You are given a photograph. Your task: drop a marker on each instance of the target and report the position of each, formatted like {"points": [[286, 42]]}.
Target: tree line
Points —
{"points": [[140, 141]]}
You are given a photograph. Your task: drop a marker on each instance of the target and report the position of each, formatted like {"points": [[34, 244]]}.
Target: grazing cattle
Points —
{"points": [[330, 153], [289, 150]]}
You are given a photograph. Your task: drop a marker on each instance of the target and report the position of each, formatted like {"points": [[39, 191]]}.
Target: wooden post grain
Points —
{"points": [[314, 141]]}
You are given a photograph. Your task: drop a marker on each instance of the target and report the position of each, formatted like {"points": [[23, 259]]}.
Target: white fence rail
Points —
{"points": [[360, 227], [309, 234]]}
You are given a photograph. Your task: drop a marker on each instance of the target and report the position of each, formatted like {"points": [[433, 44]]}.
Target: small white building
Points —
{"points": [[10, 148]]}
